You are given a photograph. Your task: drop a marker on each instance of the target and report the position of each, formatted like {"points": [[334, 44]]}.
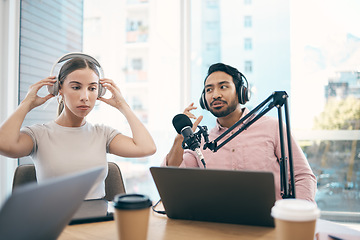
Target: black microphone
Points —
{"points": [[183, 126]]}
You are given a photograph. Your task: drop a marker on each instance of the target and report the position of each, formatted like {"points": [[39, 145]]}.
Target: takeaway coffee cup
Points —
{"points": [[295, 219], [131, 213]]}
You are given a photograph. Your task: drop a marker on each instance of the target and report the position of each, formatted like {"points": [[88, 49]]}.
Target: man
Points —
{"points": [[256, 148]]}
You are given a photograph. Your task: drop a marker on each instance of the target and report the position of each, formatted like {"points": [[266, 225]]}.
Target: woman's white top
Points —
{"points": [[62, 150]]}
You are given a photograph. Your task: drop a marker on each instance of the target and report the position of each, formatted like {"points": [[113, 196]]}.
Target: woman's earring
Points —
{"points": [[59, 99]]}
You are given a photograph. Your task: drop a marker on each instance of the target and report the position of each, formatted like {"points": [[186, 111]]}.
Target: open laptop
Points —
{"points": [[239, 197], [41, 211], [95, 210]]}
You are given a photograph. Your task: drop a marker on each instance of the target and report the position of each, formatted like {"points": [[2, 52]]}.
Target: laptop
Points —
{"points": [[238, 197], [42, 210], [94, 210]]}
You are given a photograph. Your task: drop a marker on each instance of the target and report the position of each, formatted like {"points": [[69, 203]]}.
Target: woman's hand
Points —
{"points": [[32, 98], [117, 100]]}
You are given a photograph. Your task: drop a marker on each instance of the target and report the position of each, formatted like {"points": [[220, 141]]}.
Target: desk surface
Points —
{"points": [[163, 228]]}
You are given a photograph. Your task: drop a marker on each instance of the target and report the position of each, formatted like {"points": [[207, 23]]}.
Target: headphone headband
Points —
{"points": [[71, 55]]}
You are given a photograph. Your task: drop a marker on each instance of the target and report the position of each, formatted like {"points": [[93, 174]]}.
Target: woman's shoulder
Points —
{"points": [[39, 126]]}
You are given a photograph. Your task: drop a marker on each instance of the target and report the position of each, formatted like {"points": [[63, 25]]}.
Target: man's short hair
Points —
{"points": [[236, 75]]}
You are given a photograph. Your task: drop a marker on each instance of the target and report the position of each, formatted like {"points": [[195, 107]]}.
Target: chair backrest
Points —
{"points": [[24, 174], [114, 183]]}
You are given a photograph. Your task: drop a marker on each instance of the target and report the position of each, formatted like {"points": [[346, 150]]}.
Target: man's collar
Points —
{"points": [[244, 110]]}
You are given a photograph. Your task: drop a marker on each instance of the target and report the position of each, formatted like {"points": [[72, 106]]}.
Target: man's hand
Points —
{"points": [[190, 115]]}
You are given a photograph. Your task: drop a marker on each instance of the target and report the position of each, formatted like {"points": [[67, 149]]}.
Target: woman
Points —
{"points": [[70, 143]]}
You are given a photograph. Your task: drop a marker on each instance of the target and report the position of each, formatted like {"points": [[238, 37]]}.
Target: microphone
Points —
{"points": [[183, 126]]}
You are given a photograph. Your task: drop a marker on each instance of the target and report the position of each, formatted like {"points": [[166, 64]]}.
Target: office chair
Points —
{"points": [[114, 183]]}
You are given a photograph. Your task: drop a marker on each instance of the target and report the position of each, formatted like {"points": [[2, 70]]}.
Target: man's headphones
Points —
{"points": [[55, 88], [242, 91]]}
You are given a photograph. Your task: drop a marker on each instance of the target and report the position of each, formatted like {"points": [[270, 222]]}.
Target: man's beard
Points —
{"points": [[223, 113]]}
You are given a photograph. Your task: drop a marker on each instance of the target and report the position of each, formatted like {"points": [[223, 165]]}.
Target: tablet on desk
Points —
{"points": [[93, 211]]}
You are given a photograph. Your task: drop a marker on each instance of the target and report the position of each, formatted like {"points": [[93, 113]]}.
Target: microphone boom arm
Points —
{"points": [[279, 99]]}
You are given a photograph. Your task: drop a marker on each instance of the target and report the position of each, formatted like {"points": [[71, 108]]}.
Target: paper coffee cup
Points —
{"points": [[132, 216], [295, 219]]}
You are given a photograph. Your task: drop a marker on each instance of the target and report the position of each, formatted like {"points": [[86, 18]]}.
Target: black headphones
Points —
{"points": [[54, 89], [242, 91]]}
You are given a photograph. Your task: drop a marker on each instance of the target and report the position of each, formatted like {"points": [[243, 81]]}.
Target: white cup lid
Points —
{"points": [[295, 210]]}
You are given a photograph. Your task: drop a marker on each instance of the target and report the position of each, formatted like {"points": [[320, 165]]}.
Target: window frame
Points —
{"points": [[9, 70]]}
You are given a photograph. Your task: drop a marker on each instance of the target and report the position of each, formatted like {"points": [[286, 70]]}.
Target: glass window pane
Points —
{"points": [[48, 30], [315, 60], [139, 49]]}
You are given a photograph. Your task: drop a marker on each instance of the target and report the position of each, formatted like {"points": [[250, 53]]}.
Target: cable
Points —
{"points": [[157, 211]]}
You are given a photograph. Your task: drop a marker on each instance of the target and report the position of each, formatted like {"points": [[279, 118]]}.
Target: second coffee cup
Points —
{"points": [[295, 219]]}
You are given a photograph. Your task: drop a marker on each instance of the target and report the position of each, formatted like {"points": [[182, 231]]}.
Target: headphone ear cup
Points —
{"points": [[244, 95], [54, 89], [203, 103], [101, 91]]}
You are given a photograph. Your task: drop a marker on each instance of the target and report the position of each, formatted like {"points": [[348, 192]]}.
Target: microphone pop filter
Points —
{"points": [[180, 121]]}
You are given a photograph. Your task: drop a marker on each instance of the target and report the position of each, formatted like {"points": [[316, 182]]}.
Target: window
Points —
{"points": [[248, 68], [211, 46], [143, 59], [317, 72], [247, 2], [247, 44], [137, 64], [48, 30], [212, 25], [247, 21], [212, 3], [9, 65]]}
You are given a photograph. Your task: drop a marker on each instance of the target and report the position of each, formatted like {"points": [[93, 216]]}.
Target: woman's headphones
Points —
{"points": [[242, 91], [54, 89]]}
